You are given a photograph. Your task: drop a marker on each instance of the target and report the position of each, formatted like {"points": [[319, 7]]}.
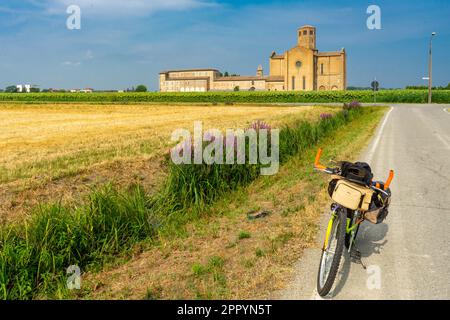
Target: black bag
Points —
{"points": [[332, 186], [379, 208], [359, 172]]}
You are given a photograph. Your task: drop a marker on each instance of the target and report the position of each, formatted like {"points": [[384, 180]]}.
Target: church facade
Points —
{"points": [[302, 68]]}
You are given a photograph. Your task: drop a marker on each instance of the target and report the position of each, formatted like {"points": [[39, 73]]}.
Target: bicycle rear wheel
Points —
{"points": [[332, 252]]}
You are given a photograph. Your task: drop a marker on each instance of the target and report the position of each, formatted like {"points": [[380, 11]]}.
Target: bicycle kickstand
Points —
{"points": [[356, 255]]}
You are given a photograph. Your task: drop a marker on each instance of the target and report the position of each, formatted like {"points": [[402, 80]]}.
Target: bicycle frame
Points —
{"points": [[329, 228], [351, 227]]}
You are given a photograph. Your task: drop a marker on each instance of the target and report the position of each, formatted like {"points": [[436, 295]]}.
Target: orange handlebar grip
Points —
{"points": [[318, 156], [389, 180]]}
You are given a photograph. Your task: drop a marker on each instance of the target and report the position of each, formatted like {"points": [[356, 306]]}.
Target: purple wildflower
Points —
{"points": [[324, 116]]}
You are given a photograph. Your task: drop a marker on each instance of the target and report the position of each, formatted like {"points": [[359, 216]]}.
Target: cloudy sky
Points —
{"points": [[123, 43]]}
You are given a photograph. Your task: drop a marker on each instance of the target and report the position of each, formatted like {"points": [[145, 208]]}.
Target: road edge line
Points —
{"points": [[376, 142]]}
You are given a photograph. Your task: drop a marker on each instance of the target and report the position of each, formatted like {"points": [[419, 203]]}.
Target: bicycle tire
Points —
{"points": [[340, 230]]}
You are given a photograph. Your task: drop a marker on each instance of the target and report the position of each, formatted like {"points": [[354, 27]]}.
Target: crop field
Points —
{"points": [[383, 96]]}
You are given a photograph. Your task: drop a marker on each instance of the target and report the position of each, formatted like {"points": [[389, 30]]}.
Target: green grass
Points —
{"points": [[244, 235], [259, 253], [384, 96], [197, 185], [212, 276], [35, 256]]}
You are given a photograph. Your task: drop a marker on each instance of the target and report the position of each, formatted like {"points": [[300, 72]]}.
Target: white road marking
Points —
{"points": [[378, 137], [447, 145]]}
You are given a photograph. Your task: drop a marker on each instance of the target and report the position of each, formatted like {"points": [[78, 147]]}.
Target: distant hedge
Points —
{"points": [[399, 96]]}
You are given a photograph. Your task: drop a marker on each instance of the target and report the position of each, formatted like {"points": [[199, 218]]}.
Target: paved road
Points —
{"points": [[410, 252]]}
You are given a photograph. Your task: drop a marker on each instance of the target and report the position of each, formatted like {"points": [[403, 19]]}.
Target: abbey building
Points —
{"points": [[302, 68]]}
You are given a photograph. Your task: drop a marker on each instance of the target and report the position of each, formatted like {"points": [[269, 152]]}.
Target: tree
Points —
{"points": [[448, 86], [11, 89], [141, 88], [226, 74]]}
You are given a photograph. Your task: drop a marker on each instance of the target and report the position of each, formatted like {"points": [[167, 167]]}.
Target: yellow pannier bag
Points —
{"points": [[352, 196]]}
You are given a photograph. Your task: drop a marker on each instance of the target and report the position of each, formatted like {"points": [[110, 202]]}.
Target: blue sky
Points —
{"points": [[128, 42]]}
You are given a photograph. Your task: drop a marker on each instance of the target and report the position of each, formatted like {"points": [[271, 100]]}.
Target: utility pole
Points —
{"points": [[430, 69]]}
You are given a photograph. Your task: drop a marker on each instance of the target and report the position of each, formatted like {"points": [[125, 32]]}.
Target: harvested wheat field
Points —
{"points": [[57, 151]]}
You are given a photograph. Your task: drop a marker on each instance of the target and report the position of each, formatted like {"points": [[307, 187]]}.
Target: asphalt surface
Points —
{"points": [[408, 256]]}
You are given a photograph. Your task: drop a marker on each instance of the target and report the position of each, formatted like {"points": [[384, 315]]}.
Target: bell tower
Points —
{"points": [[307, 37]]}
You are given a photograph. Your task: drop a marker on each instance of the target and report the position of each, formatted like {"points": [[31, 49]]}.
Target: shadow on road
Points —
{"points": [[371, 239]]}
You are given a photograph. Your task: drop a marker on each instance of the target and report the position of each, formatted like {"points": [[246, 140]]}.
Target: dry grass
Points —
{"points": [[212, 260], [53, 152]]}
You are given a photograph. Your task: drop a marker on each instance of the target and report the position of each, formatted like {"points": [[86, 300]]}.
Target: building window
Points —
{"points": [[253, 83], [304, 83], [311, 32], [293, 83], [305, 32], [321, 68]]}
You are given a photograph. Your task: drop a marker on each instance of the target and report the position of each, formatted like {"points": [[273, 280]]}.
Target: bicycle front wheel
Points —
{"points": [[332, 252]]}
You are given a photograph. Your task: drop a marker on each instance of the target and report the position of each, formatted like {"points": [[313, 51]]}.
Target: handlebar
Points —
{"points": [[317, 164], [389, 180], [322, 168]]}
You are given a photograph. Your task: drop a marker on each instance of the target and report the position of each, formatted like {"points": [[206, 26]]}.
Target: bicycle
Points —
{"points": [[354, 202]]}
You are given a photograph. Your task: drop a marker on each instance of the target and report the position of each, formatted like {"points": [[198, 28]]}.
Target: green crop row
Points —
{"points": [[384, 96]]}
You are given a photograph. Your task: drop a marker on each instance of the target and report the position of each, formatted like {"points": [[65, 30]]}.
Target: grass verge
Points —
{"points": [[256, 266]]}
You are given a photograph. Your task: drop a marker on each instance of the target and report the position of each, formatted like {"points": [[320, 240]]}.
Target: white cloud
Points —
{"points": [[71, 63], [129, 7]]}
